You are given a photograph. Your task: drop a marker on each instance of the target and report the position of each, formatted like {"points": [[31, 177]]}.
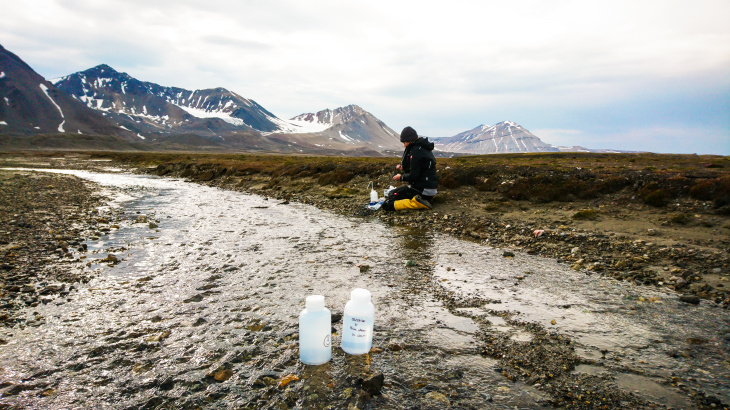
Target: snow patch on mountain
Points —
{"points": [[201, 113], [45, 91]]}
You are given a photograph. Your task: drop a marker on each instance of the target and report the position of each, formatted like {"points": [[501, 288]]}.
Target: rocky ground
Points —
{"points": [[681, 245], [44, 219]]}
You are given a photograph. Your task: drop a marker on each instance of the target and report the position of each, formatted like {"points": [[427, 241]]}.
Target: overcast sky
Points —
{"points": [[630, 75]]}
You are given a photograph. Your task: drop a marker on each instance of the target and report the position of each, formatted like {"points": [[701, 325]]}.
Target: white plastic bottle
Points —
{"points": [[315, 332], [373, 194], [357, 325]]}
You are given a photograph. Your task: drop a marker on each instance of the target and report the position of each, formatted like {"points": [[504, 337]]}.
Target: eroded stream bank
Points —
{"points": [[198, 307]]}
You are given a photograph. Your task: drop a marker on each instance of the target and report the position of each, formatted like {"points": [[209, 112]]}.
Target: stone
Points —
{"points": [[374, 383], [692, 299], [438, 398], [222, 375]]}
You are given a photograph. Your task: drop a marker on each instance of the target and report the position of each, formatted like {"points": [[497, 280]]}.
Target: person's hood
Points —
{"points": [[424, 143]]}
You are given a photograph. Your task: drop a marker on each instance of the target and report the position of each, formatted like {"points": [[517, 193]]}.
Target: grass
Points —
{"points": [[534, 177]]}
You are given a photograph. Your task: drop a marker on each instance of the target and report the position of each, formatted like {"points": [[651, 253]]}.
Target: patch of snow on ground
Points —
{"points": [[3, 123]]}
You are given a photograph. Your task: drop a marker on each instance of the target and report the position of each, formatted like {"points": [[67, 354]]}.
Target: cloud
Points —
{"points": [[547, 65]]}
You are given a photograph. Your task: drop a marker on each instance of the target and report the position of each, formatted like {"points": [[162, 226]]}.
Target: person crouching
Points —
{"points": [[419, 171]]}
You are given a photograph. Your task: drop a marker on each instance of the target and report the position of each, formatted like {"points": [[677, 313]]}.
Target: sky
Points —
{"points": [[644, 75]]}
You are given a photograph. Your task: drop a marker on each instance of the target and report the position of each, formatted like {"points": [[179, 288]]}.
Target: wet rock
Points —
{"points": [[437, 399], [395, 347], [53, 288], [374, 383], [336, 317], [222, 375], [159, 337], [692, 299]]}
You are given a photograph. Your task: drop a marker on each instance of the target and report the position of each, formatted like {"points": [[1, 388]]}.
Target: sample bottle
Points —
{"points": [[373, 194], [315, 332], [357, 325]]}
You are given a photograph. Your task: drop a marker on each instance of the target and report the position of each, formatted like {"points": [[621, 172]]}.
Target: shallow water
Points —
{"points": [[218, 285]]}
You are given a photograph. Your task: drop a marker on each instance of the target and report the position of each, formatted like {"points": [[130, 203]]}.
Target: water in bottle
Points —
{"points": [[357, 326], [315, 332]]}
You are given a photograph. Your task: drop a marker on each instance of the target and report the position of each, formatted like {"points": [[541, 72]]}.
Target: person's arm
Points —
{"points": [[416, 168]]}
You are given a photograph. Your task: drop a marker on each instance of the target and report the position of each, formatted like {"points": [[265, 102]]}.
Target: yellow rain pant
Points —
{"points": [[408, 204]]}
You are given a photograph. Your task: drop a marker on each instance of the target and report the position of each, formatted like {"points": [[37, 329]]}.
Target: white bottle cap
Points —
{"points": [[360, 295], [315, 303]]}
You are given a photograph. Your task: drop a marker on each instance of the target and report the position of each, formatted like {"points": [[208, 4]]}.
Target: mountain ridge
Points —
{"points": [[102, 100]]}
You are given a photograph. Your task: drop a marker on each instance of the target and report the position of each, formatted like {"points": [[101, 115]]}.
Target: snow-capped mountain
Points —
{"points": [[504, 137], [219, 118], [31, 105], [343, 127], [152, 109]]}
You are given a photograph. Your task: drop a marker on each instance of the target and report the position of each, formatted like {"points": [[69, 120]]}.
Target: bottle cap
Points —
{"points": [[315, 302], [360, 295]]}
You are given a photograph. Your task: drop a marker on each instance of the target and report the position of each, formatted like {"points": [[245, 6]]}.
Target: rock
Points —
{"points": [[437, 398], [395, 347], [364, 268], [222, 375], [508, 254], [692, 299], [374, 383], [111, 258], [153, 225], [53, 288], [336, 317], [159, 337]]}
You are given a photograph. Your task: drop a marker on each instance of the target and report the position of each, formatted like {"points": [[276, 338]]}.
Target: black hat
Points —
{"points": [[408, 135]]}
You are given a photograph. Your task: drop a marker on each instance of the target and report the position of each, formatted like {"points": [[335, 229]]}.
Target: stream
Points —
{"points": [[201, 311]]}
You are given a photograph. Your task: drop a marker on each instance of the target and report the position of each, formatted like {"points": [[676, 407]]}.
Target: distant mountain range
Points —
{"points": [[113, 110]]}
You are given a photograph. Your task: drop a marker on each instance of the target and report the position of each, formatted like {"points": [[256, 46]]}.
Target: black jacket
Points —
{"points": [[419, 165]]}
